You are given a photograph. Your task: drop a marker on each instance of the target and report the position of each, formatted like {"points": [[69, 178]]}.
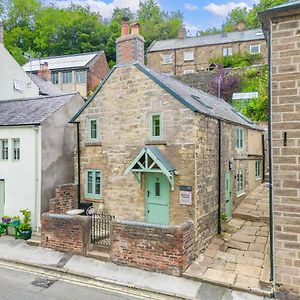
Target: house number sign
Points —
{"points": [[185, 195]]}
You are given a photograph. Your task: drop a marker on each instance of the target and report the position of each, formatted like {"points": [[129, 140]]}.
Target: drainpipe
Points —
{"points": [[36, 178], [219, 179], [78, 163], [271, 208], [264, 157]]}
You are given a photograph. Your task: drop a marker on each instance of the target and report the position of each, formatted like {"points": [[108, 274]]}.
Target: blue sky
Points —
{"points": [[198, 14]]}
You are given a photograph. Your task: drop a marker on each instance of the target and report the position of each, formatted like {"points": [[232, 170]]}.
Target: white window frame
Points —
{"points": [[227, 51], [253, 46], [4, 153], [188, 56], [240, 183], [16, 151], [257, 170], [239, 138], [189, 71], [167, 58]]}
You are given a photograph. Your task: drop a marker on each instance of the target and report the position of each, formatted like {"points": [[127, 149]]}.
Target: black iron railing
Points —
{"points": [[101, 229]]}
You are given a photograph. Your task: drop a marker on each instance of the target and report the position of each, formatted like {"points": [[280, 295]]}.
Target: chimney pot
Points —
{"points": [[135, 28], [1, 33], [182, 34], [240, 26], [124, 28]]}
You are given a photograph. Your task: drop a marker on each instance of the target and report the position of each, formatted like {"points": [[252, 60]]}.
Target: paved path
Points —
{"points": [[238, 257]]}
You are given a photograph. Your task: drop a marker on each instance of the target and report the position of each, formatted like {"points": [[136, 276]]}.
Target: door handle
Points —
{"points": [[148, 193], [148, 211]]}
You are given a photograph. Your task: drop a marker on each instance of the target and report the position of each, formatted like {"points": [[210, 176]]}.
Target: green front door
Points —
{"points": [[228, 205], [2, 197], [157, 198]]}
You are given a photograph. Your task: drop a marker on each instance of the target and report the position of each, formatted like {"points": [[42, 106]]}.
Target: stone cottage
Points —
{"points": [[282, 29], [154, 150]]}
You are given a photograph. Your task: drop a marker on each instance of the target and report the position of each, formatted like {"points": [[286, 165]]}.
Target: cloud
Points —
{"points": [[105, 9], [224, 9], [190, 6]]}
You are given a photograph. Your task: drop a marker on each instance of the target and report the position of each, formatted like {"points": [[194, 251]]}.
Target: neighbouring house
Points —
{"points": [[73, 73], [282, 28], [241, 100], [19, 84], [155, 151], [186, 55], [36, 151]]}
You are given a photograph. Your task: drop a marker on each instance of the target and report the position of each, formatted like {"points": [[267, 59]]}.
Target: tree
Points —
{"points": [[236, 15], [210, 30], [224, 84]]}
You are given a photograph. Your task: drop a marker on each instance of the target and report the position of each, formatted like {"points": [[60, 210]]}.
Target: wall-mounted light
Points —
{"points": [[230, 165]]}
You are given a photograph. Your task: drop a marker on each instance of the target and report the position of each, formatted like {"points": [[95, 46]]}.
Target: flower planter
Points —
{"points": [[26, 234], [6, 220], [16, 223]]}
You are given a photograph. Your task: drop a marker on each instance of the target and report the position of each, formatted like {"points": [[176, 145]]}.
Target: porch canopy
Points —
{"points": [[151, 160]]}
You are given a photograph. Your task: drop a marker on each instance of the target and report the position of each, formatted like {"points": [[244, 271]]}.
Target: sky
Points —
{"points": [[198, 14]]}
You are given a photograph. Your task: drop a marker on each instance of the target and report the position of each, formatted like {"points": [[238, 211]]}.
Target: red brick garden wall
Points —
{"points": [[66, 233], [65, 199], [167, 249]]}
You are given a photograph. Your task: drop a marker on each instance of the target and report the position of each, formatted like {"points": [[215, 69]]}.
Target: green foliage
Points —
{"points": [[26, 222], [224, 216], [236, 60], [257, 109], [48, 30], [236, 15]]}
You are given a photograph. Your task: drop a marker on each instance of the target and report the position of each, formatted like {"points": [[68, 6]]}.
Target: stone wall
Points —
{"points": [[286, 153], [66, 233], [167, 249], [66, 198], [202, 55]]}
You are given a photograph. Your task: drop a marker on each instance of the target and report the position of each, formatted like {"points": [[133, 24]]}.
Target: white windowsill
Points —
{"points": [[240, 195]]}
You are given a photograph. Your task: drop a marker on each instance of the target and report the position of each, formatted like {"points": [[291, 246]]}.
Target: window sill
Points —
{"points": [[258, 178], [156, 142], [240, 195], [93, 144], [167, 63]]}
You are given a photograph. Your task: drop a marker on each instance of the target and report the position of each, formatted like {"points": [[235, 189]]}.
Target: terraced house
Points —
{"points": [[156, 151], [186, 55]]}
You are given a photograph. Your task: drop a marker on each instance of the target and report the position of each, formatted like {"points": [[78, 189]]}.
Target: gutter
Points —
{"points": [[271, 208]]}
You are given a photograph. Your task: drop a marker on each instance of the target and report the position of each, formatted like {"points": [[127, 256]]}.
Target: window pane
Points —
{"points": [[90, 182], [156, 125], [97, 183], [81, 76], [157, 187], [188, 56], [67, 77], [167, 58], [93, 129], [4, 149], [54, 78], [16, 149]]}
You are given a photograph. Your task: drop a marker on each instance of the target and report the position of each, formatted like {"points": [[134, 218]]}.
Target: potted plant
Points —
{"points": [[6, 219], [16, 220], [25, 227]]}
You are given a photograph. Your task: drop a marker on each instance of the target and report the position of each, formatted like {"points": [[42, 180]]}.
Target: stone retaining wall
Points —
{"points": [[66, 233], [162, 248], [66, 198]]}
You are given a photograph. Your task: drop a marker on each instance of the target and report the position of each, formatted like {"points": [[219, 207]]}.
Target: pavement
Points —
{"points": [[94, 271], [238, 258]]}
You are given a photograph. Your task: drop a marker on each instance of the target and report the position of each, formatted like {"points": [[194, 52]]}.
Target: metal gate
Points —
{"points": [[101, 229]]}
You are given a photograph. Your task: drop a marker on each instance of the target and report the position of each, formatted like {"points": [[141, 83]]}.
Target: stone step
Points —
{"points": [[34, 242], [250, 217], [104, 256]]}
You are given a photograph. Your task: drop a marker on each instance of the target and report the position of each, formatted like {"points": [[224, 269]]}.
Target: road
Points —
{"points": [[24, 285]]}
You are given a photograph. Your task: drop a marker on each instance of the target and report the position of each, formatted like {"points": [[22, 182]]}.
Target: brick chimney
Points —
{"points": [[130, 46], [44, 71], [182, 33], [1, 33], [240, 26]]}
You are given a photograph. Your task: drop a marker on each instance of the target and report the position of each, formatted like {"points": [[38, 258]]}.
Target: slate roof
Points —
{"points": [[214, 39], [72, 61], [31, 111], [158, 154], [47, 88], [194, 99]]}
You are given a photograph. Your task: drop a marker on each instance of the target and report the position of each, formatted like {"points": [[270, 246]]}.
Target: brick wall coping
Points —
{"points": [[182, 226], [66, 184], [129, 37], [59, 216]]}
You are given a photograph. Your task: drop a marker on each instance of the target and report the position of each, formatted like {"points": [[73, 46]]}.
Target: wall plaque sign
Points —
{"points": [[185, 195]]}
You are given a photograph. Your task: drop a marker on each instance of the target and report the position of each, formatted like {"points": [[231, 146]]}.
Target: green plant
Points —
{"points": [[26, 223], [224, 217], [16, 218]]}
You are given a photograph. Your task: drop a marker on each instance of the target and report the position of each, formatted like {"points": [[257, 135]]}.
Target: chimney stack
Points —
{"points": [[44, 71], [240, 26], [130, 45], [1, 33], [182, 33]]}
